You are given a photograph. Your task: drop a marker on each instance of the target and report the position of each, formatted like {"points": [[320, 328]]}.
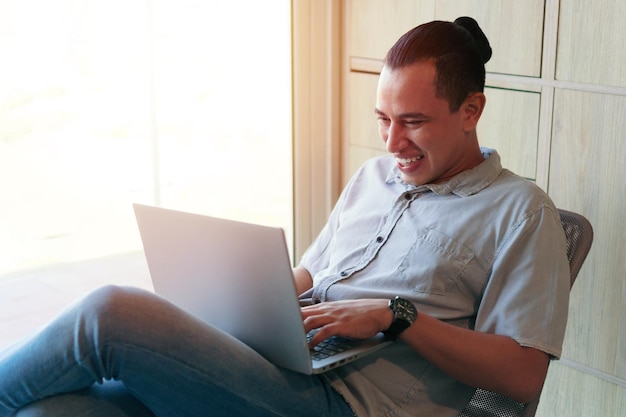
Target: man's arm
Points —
{"points": [[493, 362], [303, 279]]}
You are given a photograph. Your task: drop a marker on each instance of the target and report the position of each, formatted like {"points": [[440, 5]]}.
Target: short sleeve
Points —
{"points": [[527, 294]]}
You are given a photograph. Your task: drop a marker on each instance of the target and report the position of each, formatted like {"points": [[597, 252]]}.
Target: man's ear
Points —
{"points": [[472, 109]]}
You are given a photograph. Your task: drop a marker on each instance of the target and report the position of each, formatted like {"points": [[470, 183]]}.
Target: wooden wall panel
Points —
{"points": [[572, 393], [361, 118], [514, 29], [375, 25], [587, 160], [591, 42], [510, 124], [510, 26], [363, 140]]}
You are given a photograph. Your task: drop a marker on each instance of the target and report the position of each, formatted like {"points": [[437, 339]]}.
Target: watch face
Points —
{"points": [[404, 310]]}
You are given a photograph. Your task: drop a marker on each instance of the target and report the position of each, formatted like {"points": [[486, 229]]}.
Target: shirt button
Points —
{"points": [[343, 273], [407, 196], [379, 239]]}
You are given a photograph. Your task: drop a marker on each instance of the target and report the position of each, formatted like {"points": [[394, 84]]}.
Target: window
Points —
{"points": [[184, 104]]}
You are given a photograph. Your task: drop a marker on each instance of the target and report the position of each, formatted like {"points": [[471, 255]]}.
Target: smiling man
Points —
{"points": [[441, 224], [461, 262]]}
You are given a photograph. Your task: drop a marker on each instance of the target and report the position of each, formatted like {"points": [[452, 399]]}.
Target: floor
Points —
{"points": [[29, 299]]}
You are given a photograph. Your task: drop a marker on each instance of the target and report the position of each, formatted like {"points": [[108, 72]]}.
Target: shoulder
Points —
{"points": [[524, 200], [512, 186]]}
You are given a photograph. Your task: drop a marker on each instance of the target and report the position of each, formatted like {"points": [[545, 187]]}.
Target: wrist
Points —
{"points": [[404, 314]]}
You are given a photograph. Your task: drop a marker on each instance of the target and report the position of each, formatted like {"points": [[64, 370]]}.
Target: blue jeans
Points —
{"points": [[165, 360]]}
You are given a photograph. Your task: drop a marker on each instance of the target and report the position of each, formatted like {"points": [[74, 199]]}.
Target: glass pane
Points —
{"points": [[223, 108], [184, 104]]}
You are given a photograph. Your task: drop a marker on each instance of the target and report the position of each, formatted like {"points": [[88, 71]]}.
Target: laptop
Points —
{"points": [[237, 277]]}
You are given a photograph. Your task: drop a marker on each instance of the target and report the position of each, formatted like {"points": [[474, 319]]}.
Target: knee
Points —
{"points": [[106, 300], [113, 305]]}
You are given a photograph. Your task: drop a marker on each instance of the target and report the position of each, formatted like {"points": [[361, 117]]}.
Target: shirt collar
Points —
{"points": [[464, 184]]}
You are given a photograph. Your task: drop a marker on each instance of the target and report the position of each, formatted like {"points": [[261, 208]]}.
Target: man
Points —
{"points": [[458, 259]]}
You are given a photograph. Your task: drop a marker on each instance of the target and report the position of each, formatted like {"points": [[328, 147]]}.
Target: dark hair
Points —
{"points": [[459, 50]]}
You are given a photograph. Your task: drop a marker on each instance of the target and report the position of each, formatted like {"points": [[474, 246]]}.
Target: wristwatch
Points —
{"points": [[404, 314]]}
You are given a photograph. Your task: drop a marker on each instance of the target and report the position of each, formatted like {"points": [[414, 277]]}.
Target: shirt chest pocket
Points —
{"points": [[434, 263]]}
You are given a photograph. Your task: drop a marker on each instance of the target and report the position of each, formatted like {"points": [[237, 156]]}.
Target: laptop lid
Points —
{"points": [[235, 276]]}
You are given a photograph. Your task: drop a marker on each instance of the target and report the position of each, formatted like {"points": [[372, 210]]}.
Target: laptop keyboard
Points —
{"points": [[331, 346]]}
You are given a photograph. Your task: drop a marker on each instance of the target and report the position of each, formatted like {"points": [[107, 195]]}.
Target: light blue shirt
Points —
{"points": [[484, 250]]}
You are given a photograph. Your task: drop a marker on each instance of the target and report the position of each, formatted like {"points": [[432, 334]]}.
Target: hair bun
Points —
{"points": [[480, 40]]}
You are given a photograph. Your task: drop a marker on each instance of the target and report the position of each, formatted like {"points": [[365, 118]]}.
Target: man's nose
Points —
{"points": [[395, 140]]}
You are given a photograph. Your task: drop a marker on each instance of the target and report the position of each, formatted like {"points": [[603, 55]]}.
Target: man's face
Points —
{"points": [[430, 143]]}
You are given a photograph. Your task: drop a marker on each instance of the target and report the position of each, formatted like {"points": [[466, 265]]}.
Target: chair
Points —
{"points": [[579, 236]]}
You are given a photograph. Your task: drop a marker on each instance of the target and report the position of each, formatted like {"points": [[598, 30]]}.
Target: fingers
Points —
{"points": [[322, 333], [320, 317], [359, 319]]}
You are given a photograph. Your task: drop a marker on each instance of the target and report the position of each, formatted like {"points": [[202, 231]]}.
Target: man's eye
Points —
{"points": [[412, 122]]}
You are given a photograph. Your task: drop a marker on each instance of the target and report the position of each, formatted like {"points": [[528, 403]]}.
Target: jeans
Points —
{"points": [[165, 360]]}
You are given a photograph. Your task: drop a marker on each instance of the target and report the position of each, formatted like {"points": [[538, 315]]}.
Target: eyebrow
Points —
{"points": [[417, 115]]}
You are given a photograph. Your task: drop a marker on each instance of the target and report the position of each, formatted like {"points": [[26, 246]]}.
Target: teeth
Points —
{"points": [[409, 161]]}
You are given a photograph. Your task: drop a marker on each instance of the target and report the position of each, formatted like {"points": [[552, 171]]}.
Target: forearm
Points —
{"points": [[493, 362]]}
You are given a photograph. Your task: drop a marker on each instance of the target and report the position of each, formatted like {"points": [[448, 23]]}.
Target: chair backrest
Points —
{"points": [[579, 236]]}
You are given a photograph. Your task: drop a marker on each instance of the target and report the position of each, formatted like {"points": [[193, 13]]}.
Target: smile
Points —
{"points": [[409, 161]]}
